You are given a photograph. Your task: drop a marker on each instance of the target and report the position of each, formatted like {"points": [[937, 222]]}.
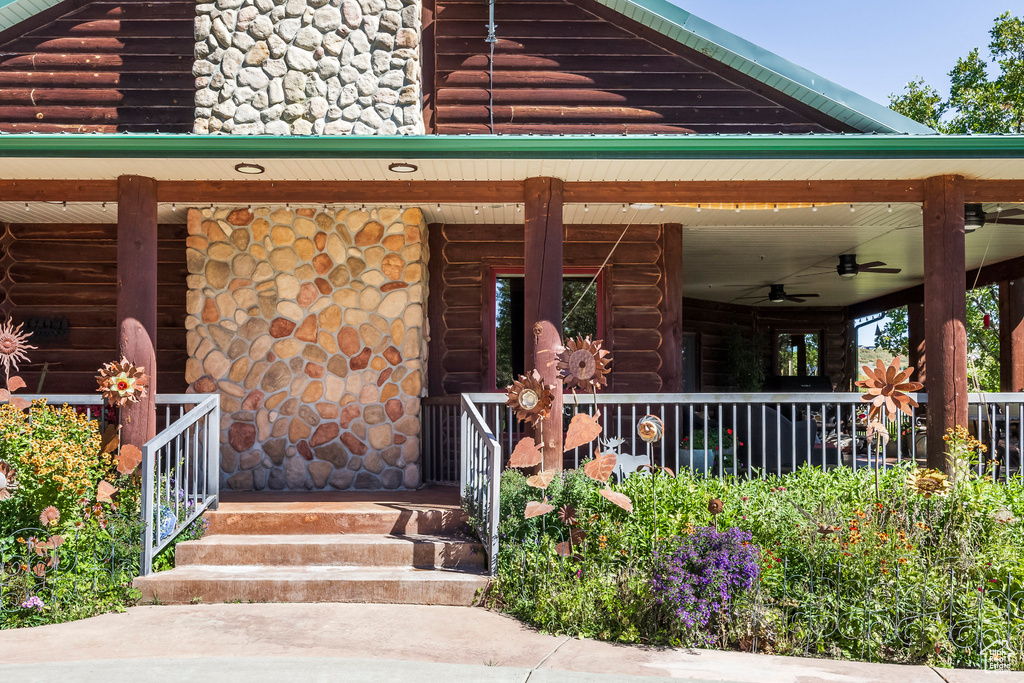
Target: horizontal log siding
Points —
{"points": [[630, 292], [713, 322], [560, 66], [70, 271], [100, 67]]}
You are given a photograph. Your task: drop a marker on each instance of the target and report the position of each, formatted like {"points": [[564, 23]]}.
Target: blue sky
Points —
{"points": [[870, 47]]}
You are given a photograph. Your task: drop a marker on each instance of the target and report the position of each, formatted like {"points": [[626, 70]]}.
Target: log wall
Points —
{"points": [[70, 272], [99, 66], [468, 254], [574, 66]]}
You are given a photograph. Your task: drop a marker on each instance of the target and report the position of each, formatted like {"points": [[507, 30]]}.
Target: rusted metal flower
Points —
{"points": [[13, 345], [122, 382], [886, 387], [650, 428], [529, 398], [567, 515], [583, 364], [715, 506], [928, 482], [50, 515], [8, 481]]}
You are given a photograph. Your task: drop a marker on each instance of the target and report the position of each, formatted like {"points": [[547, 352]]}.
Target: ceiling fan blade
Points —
{"points": [[795, 299], [870, 264], [1007, 221], [1000, 216], [824, 272], [805, 296], [891, 271]]}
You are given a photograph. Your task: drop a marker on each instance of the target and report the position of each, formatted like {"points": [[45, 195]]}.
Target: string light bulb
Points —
{"points": [[623, 208], [661, 208], [852, 209], [586, 208], [698, 208], [64, 206], [737, 208], [476, 209], [775, 209], [814, 207], [174, 207], [889, 209], [26, 206], [104, 207]]}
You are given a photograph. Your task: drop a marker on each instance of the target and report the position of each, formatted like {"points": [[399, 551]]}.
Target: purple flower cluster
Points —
{"points": [[33, 603], [697, 575]]}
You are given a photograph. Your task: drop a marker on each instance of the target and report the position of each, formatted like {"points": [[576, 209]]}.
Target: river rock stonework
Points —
{"points": [[308, 67], [309, 323]]}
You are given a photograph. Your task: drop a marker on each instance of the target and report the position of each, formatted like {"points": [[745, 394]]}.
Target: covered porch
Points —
{"points": [[682, 236]]}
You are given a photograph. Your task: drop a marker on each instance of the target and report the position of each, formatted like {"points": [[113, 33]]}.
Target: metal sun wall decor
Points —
{"points": [[583, 364]]}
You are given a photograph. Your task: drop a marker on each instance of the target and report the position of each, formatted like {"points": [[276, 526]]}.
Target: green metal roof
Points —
{"points": [[767, 67], [16, 11], [868, 146]]}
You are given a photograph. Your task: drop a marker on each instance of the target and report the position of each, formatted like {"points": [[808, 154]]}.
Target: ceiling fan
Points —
{"points": [[777, 295], [975, 217], [848, 267]]}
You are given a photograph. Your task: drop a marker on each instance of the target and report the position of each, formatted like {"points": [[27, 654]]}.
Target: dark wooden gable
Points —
{"points": [[100, 67], [574, 66]]}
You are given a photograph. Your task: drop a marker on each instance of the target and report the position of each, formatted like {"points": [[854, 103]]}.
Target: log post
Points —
{"points": [[945, 311], [1011, 335], [671, 308], [915, 342], [542, 305], [136, 297]]}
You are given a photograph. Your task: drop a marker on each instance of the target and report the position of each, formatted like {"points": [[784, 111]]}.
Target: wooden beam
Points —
{"points": [[435, 309], [136, 297], [915, 342], [58, 190], [945, 311], [543, 300], [1011, 336], [747, 191], [671, 307], [1006, 191]]}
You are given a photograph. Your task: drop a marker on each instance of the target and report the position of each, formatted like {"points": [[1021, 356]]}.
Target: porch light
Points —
{"points": [[776, 294], [974, 217], [249, 169], [403, 167]]}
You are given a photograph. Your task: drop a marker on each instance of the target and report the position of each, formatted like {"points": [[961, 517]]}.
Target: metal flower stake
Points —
{"points": [[886, 390]]}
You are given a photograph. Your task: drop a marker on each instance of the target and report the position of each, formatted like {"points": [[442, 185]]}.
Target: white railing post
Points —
{"points": [[213, 454], [148, 507]]}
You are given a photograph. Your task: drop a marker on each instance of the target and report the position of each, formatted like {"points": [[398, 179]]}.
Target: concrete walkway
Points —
{"points": [[252, 643]]}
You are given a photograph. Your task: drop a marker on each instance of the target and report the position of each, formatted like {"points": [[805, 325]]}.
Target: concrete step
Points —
{"points": [[368, 550], [327, 519], [232, 583]]}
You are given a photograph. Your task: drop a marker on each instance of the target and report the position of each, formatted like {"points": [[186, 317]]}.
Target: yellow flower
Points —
{"points": [[928, 482]]}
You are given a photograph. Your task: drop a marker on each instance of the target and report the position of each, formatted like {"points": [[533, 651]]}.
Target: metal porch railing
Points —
{"points": [[180, 466], [467, 438]]}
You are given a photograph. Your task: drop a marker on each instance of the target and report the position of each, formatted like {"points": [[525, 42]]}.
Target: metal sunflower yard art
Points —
{"points": [[928, 482], [528, 398], [13, 345], [122, 382], [885, 389], [583, 364]]}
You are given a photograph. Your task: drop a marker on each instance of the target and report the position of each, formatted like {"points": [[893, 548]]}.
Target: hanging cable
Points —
{"points": [[598, 273], [492, 39]]}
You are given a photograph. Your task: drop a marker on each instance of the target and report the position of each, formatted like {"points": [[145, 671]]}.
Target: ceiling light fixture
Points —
{"points": [[847, 267], [403, 167], [974, 217], [249, 169]]}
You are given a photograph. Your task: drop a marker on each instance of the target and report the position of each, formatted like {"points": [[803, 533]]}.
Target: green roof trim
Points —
{"points": [[16, 11], [170, 146], [767, 67]]}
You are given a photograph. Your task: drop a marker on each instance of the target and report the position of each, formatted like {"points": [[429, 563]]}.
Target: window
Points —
{"points": [[798, 354], [580, 303]]}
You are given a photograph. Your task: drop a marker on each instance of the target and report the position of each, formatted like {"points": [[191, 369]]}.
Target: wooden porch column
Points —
{"points": [[542, 306], [1011, 335], [945, 310], [915, 341], [671, 308], [136, 296]]}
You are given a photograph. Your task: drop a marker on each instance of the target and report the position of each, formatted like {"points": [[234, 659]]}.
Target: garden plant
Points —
{"points": [[900, 564]]}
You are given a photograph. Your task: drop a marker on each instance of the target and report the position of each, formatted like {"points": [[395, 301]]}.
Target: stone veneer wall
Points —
{"points": [[305, 67], [309, 324]]}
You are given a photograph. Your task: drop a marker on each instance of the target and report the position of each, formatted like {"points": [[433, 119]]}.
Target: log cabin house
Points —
{"points": [[332, 213]]}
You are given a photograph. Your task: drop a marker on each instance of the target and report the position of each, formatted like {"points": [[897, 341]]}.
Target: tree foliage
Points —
{"points": [[986, 95]]}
